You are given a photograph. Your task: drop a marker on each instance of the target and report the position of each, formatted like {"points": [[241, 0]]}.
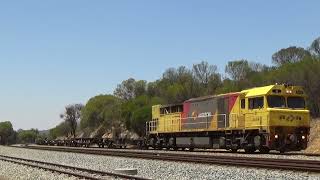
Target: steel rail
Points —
{"points": [[272, 163], [36, 163], [293, 153]]}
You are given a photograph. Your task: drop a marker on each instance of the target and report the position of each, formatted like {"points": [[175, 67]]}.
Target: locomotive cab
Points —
{"points": [[288, 118], [280, 114]]}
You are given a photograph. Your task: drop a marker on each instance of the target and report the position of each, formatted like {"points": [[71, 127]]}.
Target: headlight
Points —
{"points": [[276, 136], [303, 137], [289, 92]]}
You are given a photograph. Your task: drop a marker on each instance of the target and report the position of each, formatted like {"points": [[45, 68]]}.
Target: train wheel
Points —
{"points": [[249, 150], [233, 150], [153, 142], [264, 150]]}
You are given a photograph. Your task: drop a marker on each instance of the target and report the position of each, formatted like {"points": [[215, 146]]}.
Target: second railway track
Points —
{"points": [[81, 173], [272, 163]]}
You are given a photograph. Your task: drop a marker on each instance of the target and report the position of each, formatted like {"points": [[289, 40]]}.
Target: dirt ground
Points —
{"points": [[314, 139]]}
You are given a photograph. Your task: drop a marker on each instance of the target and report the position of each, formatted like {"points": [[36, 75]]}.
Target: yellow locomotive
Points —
{"points": [[263, 118]]}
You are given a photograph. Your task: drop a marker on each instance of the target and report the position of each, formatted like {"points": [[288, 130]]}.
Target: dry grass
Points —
{"points": [[314, 140]]}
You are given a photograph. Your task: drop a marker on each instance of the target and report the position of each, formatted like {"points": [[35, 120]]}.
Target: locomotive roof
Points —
{"points": [[201, 98], [258, 91], [170, 105], [211, 96]]}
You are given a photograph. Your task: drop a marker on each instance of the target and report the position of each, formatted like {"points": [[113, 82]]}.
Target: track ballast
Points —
{"points": [[272, 163], [81, 173]]}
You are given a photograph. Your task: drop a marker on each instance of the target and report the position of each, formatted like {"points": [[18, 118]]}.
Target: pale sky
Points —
{"points": [[55, 53]]}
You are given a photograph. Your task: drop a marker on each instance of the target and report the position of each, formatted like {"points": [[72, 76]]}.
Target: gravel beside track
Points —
{"points": [[288, 164], [81, 173], [157, 169], [13, 171]]}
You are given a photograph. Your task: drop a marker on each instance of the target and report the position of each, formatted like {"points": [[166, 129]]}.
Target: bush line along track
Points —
{"points": [[285, 164], [85, 173]]}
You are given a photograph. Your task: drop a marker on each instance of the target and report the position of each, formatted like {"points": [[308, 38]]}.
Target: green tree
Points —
{"points": [[137, 111], [174, 93], [140, 88], [130, 89], [170, 75], [139, 119], [152, 88], [315, 47], [96, 111], [27, 136], [180, 84], [227, 86], [6, 130], [305, 73], [203, 71], [289, 55], [71, 116], [125, 90], [213, 84], [238, 70], [62, 129]]}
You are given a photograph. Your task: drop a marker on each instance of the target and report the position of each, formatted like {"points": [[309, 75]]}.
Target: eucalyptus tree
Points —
{"points": [[72, 116]]}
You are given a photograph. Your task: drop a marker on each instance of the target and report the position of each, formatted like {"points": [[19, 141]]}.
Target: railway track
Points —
{"points": [[78, 172], [272, 163], [271, 153]]}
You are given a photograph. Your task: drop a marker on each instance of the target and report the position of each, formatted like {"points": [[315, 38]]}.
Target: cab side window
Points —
{"points": [[243, 103], [256, 103]]}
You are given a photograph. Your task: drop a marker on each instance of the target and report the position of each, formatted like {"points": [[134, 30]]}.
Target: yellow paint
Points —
{"points": [[259, 91], [246, 118], [284, 117], [169, 122], [156, 111]]}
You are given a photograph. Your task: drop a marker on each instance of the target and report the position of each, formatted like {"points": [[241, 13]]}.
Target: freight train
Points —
{"points": [[265, 118]]}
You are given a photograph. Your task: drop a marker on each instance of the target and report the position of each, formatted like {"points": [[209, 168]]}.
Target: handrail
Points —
{"points": [[176, 123], [152, 126]]}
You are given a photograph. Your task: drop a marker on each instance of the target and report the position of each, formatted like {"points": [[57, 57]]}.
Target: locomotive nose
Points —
{"points": [[292, 139]]}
